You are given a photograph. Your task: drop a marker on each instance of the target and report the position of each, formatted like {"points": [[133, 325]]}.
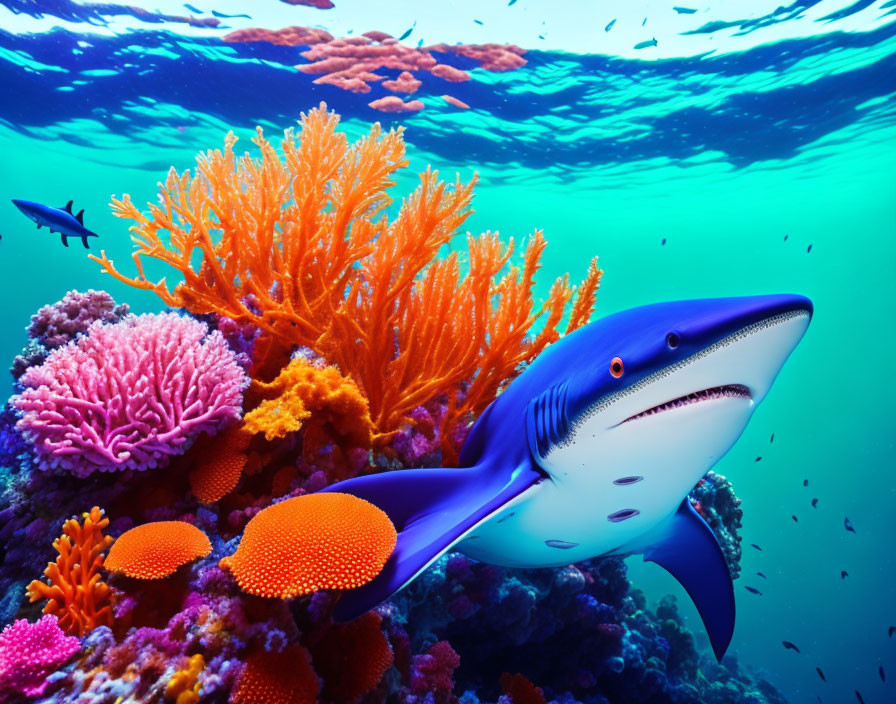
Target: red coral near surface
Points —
{"points": [[277, 678], [352, 657], [392, 103]]}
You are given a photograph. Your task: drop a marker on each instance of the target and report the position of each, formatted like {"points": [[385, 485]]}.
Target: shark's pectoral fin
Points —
{"points": [[64, 240], [84, 241], [431, 509], [689, 551]]}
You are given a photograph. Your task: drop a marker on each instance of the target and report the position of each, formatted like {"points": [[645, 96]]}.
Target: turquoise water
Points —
{"points": [[704, 168]]}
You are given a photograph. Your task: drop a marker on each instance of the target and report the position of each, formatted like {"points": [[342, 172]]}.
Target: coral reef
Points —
{"points": [[367, 351], [29, 653], [715, 500], [74, 590], [57, 324], [128, 395], [306, 240], [156, 550], [308, 543]]}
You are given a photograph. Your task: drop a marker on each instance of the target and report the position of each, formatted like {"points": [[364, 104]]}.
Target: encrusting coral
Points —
{"points": [[129, 395], [327, 404], [156, 550], [301, 248], [313, 542], [75, 592], [29, 653], [277, 678], [219, 463]]}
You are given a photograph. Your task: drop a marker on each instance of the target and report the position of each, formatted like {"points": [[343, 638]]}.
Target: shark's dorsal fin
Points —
{"points": [[68, 206], [80, 216], [688, 550], [546, 421]]}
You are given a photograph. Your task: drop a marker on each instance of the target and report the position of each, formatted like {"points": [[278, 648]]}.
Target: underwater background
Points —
{"points": [[750, 149]]}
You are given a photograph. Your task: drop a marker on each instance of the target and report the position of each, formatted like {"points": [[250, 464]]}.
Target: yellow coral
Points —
{"points": [[331, 404], [183, 687], [75, 593], [301, 248]]}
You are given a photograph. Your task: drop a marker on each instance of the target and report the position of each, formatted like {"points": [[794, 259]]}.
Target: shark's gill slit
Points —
{"points": [[624, 481], [622, 515]]}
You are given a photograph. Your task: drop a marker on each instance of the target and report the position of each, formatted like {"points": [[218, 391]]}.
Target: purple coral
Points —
{"points": [[29, 653], [129, 395], [59, 323]]}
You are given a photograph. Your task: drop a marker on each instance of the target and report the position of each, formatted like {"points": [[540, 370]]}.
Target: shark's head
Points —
{"points": [[665, 390]]}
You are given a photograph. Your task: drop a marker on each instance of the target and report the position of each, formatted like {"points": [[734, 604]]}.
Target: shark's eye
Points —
{"points": [[672, 340], [616, 367]]}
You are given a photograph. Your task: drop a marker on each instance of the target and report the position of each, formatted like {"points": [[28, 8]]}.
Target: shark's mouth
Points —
{"points": [[727, 391]]}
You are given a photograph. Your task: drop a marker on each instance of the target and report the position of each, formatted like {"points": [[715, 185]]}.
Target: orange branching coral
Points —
{"points": [[301, 248], [156, 550], [312, 542], [352, 657], [183, 687], [219, 464], [75, 593], [277, 678], [329, 405]]}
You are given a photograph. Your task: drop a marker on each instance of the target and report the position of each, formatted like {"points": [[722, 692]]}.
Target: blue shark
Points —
{"points": [[59, 220], [592, 450]]}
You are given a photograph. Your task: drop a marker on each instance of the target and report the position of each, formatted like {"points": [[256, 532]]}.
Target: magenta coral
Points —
{"points": [[56, 324], [129, 395], [29, 653]]}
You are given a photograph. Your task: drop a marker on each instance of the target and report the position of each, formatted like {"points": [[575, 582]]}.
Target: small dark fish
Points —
{"points": [[756, 546], [848, 525], [880, 671], [478, 21], [814, 503], [890, 631], [794, 519], [809, 249], [820, 674], [644, 45], [759, 458], [759, 574], [785, 237], [644, 22], [191, 8], [609, 26], [772, 438], [844, 574], [228, 17], [420, 43], [541, 36], [407, 32], [511, 3], [790, 646], [805, 482], [663, 243], [753, 590], [859, 697], [684, 10]]}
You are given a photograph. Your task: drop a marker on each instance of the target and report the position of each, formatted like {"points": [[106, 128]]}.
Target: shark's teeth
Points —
{"points": [[727, 391]]}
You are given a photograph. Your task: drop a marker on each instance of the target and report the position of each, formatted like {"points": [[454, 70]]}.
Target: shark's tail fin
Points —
{"points": [[431, 509]]}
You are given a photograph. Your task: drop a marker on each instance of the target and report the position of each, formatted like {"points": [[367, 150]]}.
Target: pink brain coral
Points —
{"points": [[29, 653], [129, 395]]}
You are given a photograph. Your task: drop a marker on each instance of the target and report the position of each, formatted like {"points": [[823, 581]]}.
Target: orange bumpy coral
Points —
{"points": [[277, 678], [183, 687], [312, 542], [331, 404], [352, 657], [156, 550], [301, 248], [75, 593], [219, 464]]}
